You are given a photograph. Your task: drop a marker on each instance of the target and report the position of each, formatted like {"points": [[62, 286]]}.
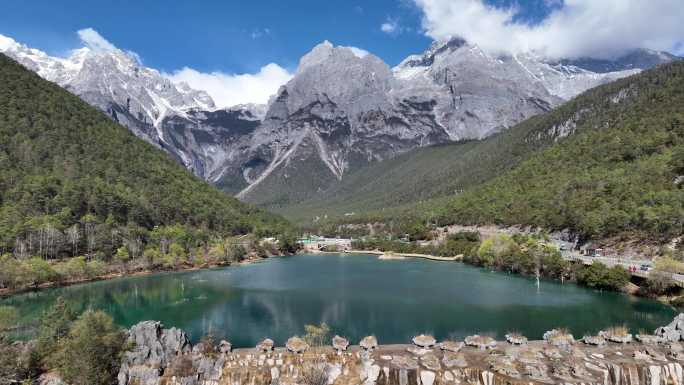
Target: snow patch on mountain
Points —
{"points": [[115, 74]]}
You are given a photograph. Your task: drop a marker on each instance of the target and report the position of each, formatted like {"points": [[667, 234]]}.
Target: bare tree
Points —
{"points": [[134, 246], [21, 248], [74, 235], [164, 243], [90, 237], [53, 240]]}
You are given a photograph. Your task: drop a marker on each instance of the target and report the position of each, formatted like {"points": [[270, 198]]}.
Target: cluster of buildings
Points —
{"points": [[316, 243]]}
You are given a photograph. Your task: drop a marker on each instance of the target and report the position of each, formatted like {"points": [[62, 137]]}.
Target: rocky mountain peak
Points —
{"points": [[339, 75], [343, 108], [318, 54], [112, 79]]}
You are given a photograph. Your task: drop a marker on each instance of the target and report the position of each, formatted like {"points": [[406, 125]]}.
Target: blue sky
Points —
{"points": [[231, 36], [236, 37]]}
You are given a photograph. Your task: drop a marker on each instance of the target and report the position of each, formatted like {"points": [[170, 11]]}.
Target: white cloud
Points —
{"points": [[226, 89], [390, 26], [94, 40], [257, 33], [231, 89], [595, 28]]}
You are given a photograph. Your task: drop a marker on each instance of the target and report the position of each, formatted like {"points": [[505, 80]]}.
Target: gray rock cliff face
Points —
{"points": [[341, 111], [154, 349]]}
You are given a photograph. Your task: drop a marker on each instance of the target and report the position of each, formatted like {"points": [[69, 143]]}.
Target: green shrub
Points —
{"points": [[73, 268], [54, 326], [96, 268], [40, 271], [599, 276], [91, 353]]}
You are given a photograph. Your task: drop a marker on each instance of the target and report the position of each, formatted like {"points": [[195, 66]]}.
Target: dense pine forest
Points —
{"points": [[75, 183]]}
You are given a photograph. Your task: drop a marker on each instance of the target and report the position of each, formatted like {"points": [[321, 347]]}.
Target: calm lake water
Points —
{"points": [[356, 295]]}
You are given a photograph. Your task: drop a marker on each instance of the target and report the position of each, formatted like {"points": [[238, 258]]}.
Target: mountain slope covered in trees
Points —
{"points": [[604, 163], [73, 180], [620, 175]]}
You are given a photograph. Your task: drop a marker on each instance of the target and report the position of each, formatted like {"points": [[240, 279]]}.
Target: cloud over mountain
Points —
{"points": [[230, 89], [573, 28], [94, 40], [225, 88]]}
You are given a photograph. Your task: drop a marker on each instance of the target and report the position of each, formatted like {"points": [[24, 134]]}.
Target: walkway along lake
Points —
{"points": [[356, 295]]}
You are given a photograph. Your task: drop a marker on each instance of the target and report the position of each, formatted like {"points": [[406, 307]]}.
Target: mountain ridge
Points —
{"points": [[463, 94], [608, 163], [341, 111], [65, 163]]}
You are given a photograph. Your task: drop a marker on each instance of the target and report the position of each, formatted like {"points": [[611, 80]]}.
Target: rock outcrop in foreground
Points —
{"points": [[165, 357]]}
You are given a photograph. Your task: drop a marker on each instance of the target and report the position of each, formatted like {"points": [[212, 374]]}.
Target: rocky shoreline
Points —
{"points": [[613, 357]]}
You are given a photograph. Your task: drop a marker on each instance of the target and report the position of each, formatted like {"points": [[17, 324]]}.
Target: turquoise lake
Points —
{"points": [[356, 295]]}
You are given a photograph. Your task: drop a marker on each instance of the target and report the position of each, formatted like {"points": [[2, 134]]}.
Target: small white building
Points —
{"points": [[323, 244]]}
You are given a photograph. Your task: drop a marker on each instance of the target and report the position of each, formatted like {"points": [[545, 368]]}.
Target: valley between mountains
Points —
{"points": [[350, 140], [341, 111], [504, 206]]}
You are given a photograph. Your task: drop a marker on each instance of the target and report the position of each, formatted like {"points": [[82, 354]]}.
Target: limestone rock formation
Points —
{"points": [[673, 331], [225, 347], [451, 346], [340, 343], [618, 334], [296, 345], [164, 357], [424, 341], [559, 338], [369, 343], [516, 339], [598, 340], [480, 342], [265, 345], [154, 349]]}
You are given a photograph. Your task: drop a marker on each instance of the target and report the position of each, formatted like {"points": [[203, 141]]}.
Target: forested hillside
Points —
{"points": [[440, 171], [622, 173], [604, 163], [73, 182]]}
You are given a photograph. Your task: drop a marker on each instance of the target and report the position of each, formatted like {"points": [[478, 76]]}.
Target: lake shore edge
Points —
{"points": [[6, 293], [631, 289], [391, 255]]}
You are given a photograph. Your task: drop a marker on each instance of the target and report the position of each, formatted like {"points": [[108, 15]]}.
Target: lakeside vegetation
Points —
{"points": [[161, 254], [83, 349], [82, 197], [619, 174], [527, 255]]}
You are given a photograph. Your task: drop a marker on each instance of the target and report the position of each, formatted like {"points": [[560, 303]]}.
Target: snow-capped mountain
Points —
{"points": [[477, 94], [341, 110], [116, 82]]}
